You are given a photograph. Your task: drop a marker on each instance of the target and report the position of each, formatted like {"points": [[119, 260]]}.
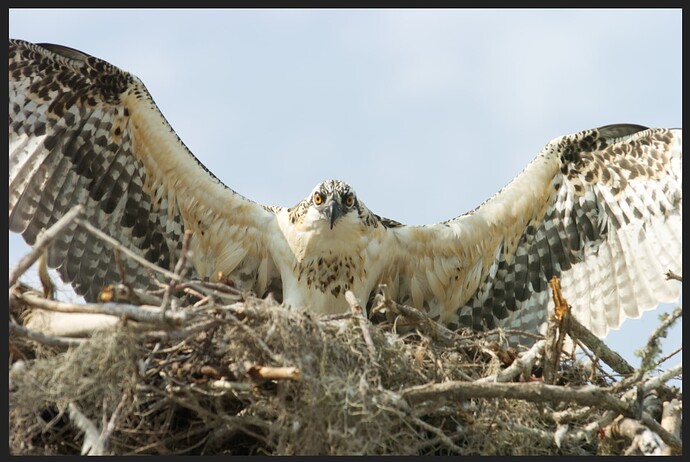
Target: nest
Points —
{"points": [[226, 373]]}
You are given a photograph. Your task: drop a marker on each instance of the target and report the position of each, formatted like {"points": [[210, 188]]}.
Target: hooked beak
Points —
{"points": [[333, 211]]}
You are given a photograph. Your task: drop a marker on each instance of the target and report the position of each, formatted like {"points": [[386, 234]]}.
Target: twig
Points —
{"points": [[62, 342], [46, 238], [223, 384], [257, 371], [661, 379], [124, 293], [275, 357], [672, 440], [648, 352], [671, 275], [180, 270], [642, 438], [537, 392], [218, 290], [668, 356], [115, 244], [44, 277], [335, 317], [671, 419], [110, 426], [440, 331], [179, 334], [148, 314], [356, 308], [652, 348], [91, 433], [522, 363], [615, 361], [439, 433]]}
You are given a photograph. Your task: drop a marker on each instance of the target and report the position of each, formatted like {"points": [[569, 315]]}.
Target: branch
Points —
{"points": [[91, 433], [356, 308], [671, 275], [146, 314], [643, 440], [42, 338], [671, 419], [44, 241], [116, 245], [180, 270], [522, 363], [440, 331], [257, 371], [589, 395], [615, 361]]}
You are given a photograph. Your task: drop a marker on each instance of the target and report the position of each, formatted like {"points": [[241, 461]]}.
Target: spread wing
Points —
{"points": [[82, 131], [601, 209]]}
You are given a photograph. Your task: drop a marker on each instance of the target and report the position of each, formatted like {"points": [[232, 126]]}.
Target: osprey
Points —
{"points": [[601, 209]]}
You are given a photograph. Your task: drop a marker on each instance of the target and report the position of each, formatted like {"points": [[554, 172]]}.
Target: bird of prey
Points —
{"points": [[600, 208]]}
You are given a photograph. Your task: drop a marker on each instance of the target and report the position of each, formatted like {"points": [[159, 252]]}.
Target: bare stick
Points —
{"points": [[440, 331], [671, 275], [272, 373], [356, 308], [671, 419], [110, 427], [643, 440], [44, 277], [439, 433], [44, 339], [115, 244], [672, 440], [659, 380], [520, 364], [149, 314], [179, 270], [46, 238], [589, 395], [91, 433], [650, 350], [599, 348], [536, 392]]}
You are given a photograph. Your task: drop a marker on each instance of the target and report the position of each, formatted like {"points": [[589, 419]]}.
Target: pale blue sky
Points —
{"points": [[426, 113]]}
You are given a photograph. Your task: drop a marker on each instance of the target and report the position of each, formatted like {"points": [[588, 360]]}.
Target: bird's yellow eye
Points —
{"points": [[318, 199], [349, 200]]}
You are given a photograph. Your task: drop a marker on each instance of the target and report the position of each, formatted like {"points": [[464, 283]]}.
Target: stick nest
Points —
{"points": [[240, 375]]}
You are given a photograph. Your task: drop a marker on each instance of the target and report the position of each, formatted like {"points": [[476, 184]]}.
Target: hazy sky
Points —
{"points": [[426, 113]]}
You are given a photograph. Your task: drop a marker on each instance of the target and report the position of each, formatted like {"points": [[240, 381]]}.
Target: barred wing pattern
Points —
{"points": [[601, 209], [82, 131]]}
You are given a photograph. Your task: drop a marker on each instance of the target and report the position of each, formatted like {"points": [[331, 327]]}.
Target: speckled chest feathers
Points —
{"points": [[333, 240]]}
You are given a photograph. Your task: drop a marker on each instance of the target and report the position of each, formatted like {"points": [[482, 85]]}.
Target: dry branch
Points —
{"points": [[358, 311], [615, 361], [147, 314], [43, 242], [49, 340], [536, 392], [521, 364], [121, 248]]}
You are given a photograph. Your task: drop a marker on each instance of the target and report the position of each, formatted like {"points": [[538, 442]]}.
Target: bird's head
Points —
{"points": [[331, 201]]}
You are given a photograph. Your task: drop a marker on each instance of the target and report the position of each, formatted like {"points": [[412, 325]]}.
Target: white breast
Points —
{"points": [[320, 264]]}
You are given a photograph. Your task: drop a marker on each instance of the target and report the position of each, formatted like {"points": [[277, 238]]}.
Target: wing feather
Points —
{"points": [[601, 209], [82, 131]]}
